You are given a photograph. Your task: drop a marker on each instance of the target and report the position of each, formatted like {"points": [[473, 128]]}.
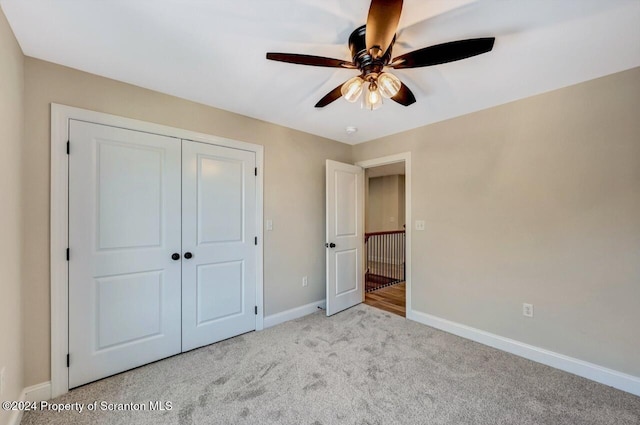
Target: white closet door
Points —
{"points": [[219, 252], [124, 226]]}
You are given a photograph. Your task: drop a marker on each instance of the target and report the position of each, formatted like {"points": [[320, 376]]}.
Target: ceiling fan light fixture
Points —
{"points": [[371, 46], [372, 99], [388, 84], [352, 89]]}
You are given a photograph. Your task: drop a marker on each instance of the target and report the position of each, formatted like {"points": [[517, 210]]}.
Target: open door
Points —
{"points": [[345, 238]]}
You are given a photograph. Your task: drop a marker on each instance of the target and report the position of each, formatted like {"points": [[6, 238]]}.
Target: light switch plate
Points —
{"points": [[269, 225], [419, 224]]}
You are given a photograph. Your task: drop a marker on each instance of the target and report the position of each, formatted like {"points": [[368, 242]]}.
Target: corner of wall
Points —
{"points": [[11, 213]]}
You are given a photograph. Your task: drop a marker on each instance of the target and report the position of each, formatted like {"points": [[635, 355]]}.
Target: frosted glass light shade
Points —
{"points": [[388, 84], [352, 89]]}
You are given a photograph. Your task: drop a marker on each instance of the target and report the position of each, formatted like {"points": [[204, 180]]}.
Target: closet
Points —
{"points": [[162, 247]]}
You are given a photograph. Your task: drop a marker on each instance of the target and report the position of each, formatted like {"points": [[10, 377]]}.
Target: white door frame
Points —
{"points": [[392, 159], [59, 213]]}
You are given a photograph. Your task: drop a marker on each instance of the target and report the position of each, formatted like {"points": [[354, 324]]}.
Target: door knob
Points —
{"points": [[175, 256], [330, 245], [188, 255]]}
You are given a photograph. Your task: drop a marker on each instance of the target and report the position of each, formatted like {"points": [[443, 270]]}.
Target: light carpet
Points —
{"points": [[362, 366]]}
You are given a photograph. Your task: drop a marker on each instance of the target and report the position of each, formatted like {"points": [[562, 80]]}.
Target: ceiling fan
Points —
{"points": [[371, 47]]}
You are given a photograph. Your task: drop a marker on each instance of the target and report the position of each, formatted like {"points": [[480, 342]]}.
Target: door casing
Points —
{"points": [[60, 116], [392, 159]]}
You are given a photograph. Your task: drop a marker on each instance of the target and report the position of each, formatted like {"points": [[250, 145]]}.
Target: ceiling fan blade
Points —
{"points": [[309, 60], [382, 24], [330, 97], [404, 96], [443, 53]]}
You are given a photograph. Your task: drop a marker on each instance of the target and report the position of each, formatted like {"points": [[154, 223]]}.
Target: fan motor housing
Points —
{"points": [[367, 64]]}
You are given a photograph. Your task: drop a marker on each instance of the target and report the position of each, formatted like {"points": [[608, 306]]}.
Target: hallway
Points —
{"points": [[391, 298]]}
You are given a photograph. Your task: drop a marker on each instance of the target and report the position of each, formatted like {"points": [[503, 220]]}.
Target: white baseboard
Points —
{"points": [[39, 392], [294, 313], [16, 417], [603, 375]]}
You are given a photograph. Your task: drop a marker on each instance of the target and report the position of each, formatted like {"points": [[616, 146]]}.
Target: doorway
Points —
{"points": [[345, 243], [385, 238]]}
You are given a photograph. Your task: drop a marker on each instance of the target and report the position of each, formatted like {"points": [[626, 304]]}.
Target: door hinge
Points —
{"points": [[68, 254], [68, 360], [255, 171], [256, 240], [68, 147], [256, 310]]}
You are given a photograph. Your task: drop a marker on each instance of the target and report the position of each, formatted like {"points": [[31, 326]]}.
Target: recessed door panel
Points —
{"points": [[129, 194], [124, 225], [346, 271], [218, 230], [128, 308], [220, 188], [346, 190], [219, 291]]}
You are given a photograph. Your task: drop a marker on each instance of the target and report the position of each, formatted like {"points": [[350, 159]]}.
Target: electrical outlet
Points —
{"points": [[2, 381], [527, 310], [305, 281], [392, 219]]}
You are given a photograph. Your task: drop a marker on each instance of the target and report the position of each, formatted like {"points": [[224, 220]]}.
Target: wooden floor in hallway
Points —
{"points": [[391, 299]]}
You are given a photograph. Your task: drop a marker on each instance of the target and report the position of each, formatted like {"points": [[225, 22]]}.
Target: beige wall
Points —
{"points": [[294, 188], [534, 201], [385, 203], [12, 125]]}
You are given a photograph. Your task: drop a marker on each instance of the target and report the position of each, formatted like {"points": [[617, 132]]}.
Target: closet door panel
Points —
{"points": [[124, 225], [218, 230]]}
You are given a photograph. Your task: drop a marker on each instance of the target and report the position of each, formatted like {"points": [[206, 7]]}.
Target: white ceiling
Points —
{"points": [[213, 52]]}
